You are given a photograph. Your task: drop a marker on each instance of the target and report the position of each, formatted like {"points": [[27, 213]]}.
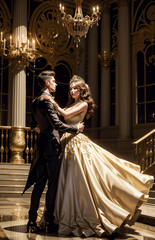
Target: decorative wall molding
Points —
{"points": [[51, 37]]}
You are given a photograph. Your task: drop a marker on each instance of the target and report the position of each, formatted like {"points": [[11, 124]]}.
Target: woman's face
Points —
{"points": [[74, 91]]}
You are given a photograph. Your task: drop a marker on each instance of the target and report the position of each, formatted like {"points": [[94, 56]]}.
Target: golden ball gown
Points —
{"points": [[97, 191]]}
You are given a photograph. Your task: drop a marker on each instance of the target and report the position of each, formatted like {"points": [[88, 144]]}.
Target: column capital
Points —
{"points": [[106, 7], [123, 3]]}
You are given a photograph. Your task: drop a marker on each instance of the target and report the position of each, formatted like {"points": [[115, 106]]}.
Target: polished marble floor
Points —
{"points": [[13, 220]]}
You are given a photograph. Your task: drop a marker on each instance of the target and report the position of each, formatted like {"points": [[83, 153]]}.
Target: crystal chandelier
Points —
{"points": [[19, 52], [78, 25]]}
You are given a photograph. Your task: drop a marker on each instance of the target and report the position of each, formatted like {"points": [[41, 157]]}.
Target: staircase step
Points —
{"points": [[16, 181], [15, 166], [14, 175], [152, 194], [15, 188], [151, 200], [153, 188], [147, 215], [14, 170], [12, 194], [12, 180]]}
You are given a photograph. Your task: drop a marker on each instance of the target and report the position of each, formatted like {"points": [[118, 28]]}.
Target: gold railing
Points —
{"points": [[30, 140], [17, 144], [4, 141], [144, 154]]}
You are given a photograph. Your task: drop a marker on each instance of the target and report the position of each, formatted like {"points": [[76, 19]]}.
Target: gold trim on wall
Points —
{"points": [[51, 37]]}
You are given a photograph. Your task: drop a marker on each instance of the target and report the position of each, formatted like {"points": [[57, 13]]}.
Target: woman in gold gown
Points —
{"points": [[97, 191]]}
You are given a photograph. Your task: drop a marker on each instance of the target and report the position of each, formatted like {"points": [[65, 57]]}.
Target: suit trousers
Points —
{"points": [[47, 170]]}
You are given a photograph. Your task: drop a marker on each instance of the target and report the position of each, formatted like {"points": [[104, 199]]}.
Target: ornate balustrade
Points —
{"points": [[144, 154], [4, 142], [17, 144], [30, 138]]}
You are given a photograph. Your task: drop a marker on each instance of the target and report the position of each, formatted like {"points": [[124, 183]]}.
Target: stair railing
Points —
{"points": [[4, 143], [144, 152], [17, 144]]}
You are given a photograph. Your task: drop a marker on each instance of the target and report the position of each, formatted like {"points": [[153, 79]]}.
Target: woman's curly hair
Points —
{"points": [[85, 94]]}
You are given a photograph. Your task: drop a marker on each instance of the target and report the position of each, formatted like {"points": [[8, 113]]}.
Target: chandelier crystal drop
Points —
{"points": [[78, 25]]}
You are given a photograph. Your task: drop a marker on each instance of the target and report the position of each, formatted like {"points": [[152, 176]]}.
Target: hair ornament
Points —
{"points": [[76, 78]]}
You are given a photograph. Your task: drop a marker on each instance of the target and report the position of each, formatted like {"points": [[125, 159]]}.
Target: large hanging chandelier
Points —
{"points": [[78, 25]]}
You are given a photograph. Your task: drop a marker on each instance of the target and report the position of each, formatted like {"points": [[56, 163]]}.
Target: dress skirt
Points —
{"points": [[97, 191]]}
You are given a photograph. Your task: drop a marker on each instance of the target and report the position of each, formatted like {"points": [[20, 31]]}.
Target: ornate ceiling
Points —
{"points": [[87, 5]]}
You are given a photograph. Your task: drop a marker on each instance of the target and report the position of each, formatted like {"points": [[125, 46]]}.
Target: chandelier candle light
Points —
{"points": [[78, 25], [19, 52]]}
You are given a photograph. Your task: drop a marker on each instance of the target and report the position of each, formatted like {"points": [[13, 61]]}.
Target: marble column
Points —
{"points": [[105, 73], [18, 87], [124, 69], [19, 78], [93, 68]]}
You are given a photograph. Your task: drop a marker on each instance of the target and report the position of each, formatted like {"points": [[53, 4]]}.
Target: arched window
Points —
{"points": [[145, 87]]}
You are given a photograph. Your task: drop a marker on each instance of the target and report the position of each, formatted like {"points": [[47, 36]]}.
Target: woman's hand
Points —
{"points": [[50, 99]]}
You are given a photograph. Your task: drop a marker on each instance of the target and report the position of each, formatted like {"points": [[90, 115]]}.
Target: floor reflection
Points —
{"points": [[13, 220]]}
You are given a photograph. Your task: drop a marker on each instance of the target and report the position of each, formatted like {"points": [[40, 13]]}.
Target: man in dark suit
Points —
{"points": [[46, 162]]}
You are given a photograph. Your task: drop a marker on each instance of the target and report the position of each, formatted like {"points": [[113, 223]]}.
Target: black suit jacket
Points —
{"points": [[48, 144]]}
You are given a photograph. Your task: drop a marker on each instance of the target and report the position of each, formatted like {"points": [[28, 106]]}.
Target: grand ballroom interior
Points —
{"points": [[113, 49]]}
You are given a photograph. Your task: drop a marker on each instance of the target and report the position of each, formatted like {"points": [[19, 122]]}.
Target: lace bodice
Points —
{"points": [[74, 119]]}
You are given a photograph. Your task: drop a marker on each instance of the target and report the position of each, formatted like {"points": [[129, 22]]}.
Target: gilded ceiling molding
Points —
{"points": [[123, 3], [5, 20], [51, 37]]}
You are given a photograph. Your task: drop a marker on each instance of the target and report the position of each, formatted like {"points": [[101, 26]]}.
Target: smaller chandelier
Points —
{"points": [[78, 25], [19, 53]]}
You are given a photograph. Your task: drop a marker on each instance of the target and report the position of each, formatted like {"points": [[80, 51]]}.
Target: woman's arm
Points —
{"points": [[82, 108]]}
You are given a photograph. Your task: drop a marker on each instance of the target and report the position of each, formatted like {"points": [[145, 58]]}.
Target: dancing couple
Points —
{"points": [[90, 191]]}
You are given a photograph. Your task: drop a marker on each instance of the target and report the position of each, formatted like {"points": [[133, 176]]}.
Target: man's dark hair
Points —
{"points": [[43, 76]]}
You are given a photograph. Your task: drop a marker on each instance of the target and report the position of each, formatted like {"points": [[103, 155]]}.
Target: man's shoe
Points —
{"points": [[32, 227], [51, 228]]}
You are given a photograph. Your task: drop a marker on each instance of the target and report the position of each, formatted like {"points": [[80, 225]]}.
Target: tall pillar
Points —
{"points": [[17, 87], [93, 68], [124, 69], [19, 78], [82, 68], [105, 73]]}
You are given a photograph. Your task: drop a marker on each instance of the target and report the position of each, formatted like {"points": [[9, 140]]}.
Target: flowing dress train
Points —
{"points": [[97, 191]]}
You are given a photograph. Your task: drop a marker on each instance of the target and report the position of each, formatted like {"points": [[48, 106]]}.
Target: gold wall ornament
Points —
{"points": [[78, 25], [143, 29], [143, 17], [51, 37], [106, 60], [17, 144]]}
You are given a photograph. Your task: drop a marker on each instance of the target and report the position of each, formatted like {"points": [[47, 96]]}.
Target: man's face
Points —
{"points": [[51, 84]]}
